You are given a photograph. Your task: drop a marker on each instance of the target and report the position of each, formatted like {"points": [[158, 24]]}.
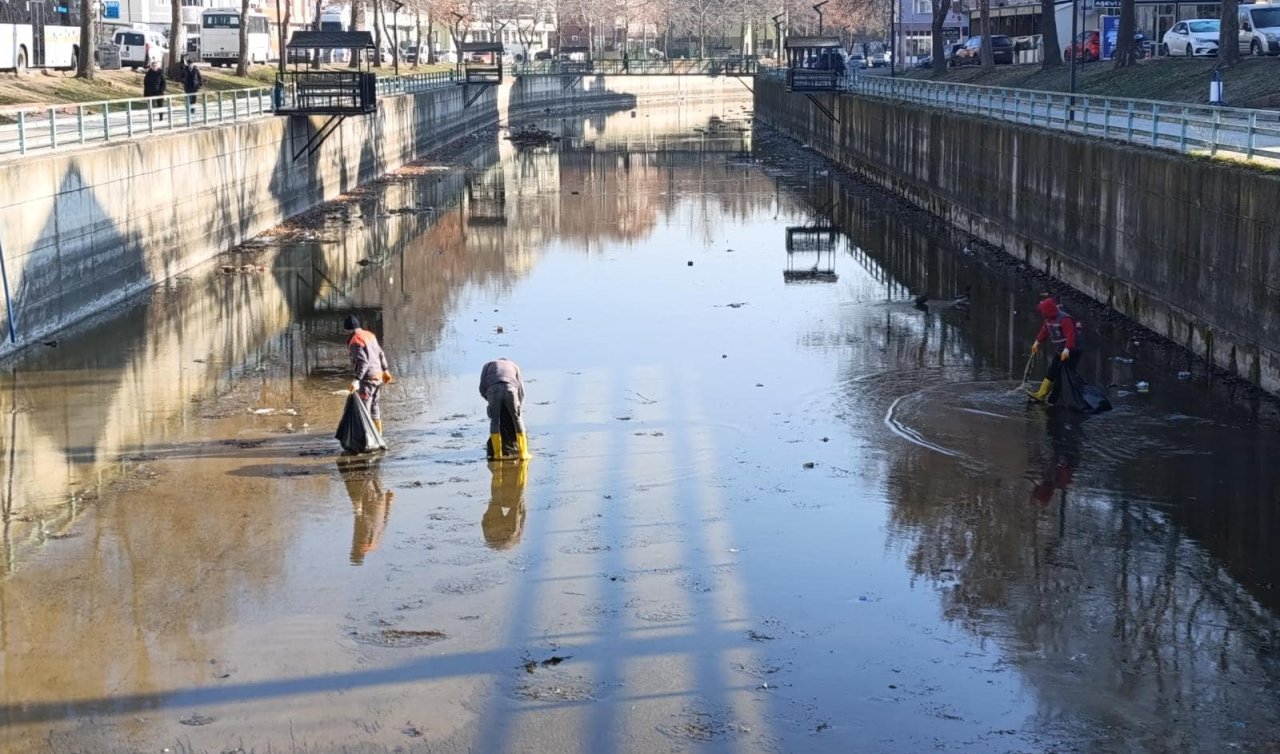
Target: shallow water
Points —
{"points": [[774, 506]]}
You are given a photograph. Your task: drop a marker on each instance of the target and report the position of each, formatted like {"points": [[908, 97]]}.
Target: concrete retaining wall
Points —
{"points": [[83, 230], [1187, 247]]}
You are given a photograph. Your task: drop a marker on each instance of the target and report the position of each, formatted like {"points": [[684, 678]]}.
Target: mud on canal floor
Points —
{"points": [[773, 506]]}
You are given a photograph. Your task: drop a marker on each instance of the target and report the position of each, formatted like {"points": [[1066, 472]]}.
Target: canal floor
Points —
{"points": [[774, 506]]}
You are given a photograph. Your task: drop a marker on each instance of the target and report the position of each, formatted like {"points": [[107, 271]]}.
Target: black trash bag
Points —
{"points": [[1074, 393], [356, 432]]}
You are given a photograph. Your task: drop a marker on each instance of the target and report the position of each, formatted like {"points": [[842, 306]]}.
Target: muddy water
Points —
{"points": [[774, 506]]}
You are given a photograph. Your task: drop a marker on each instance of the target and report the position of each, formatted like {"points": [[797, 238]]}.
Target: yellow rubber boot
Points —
{"points": [[522, 442], [1043, 393], [377, 424], [495, 446]]}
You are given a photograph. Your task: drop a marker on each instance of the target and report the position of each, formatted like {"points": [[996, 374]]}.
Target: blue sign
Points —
{"points": [[1110, 34], [111, 9]]}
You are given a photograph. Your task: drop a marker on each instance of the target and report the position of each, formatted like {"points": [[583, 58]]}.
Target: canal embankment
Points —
{"points": [[84, 230], [1187, 247]]}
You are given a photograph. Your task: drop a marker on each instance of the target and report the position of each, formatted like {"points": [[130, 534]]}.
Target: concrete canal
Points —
{"points": [[774, 506]]}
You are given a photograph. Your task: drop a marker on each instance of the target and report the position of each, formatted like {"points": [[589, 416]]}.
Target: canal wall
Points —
{"points": [[1188, 247], [83, 230]]}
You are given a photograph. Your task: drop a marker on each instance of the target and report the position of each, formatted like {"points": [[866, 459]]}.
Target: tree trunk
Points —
{"points": [[242, 65], [1049, 47], [988, 54], [315, 54], [176, 43], [1124, 36], [85, 65], [417, 30], [1229, 30], [431, 39], [941, 9], [357, 24], [377, 34], [284, 35]]}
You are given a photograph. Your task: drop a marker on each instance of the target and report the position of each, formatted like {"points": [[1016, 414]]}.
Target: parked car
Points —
{"points": [[1197, 37], [542, 55], [138, 47], [1085, 47], [971, 52], [857, 60], [879, 60], [1260, 29], [827, 60]]}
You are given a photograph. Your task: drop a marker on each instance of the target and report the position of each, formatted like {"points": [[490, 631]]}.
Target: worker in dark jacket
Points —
{"points": [[153, 85], [368, 366], [502, 387], [1059, 331]]}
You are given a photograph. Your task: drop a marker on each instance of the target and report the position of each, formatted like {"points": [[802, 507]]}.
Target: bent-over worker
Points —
{"points": [[1059, 330], [368, 367], [502, 387]]}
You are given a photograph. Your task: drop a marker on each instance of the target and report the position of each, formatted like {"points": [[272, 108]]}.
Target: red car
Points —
{"points": [[1087, 47]]}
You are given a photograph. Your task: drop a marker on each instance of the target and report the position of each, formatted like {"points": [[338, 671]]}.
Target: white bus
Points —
{"points": [[220, 37], [39, 34]]}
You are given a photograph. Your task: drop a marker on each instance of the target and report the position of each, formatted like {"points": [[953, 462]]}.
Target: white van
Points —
{"points": [[1260, 29], [138, 47]]}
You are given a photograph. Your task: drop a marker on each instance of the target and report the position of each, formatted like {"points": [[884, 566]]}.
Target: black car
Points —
{"points": [[971, 52]]}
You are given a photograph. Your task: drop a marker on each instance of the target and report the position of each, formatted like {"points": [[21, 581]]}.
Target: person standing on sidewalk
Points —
{"points": [[192, 82], [502, 387], [153, 85]]}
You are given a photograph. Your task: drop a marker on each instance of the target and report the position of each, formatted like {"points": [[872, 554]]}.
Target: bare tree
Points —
{"points": [[176, 42], [242, 63], [1229, 33], [1125, 54], [988, 53], [357, 24], [377, 33], [85, 65], [941, 9], [1049, 47]]}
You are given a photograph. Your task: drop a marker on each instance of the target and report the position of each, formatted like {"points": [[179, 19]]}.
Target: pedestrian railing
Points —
{"points": [[1166, 125], [692, 67], [27, 130]]}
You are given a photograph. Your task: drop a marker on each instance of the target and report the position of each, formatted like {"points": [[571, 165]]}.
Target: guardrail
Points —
{"points": [[691, 67], [1164, 125], [27, 130]]}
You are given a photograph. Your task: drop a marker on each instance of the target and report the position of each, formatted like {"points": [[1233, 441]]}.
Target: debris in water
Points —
{"points": [[196, 720], [1143, 387], [411, 730], [757, 636], [690, 262], [809, 464], [1184, 375], [737, 304], [531, 665], [499, 330], [531, 136]]}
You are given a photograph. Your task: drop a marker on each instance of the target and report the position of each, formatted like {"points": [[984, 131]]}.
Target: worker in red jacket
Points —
{"points": [[1059, 331]]}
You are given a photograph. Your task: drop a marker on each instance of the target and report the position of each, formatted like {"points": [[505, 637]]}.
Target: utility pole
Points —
{"points": [[893, 39], [777, 37], [818, 8], [1075, 53]]}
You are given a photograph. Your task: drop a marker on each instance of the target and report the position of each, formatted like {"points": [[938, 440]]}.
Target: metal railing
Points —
{"points": [[692, 67], [1183, 128], [54, 127]]}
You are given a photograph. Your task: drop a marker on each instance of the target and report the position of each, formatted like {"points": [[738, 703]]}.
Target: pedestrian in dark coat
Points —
{"points": [[153, 85], [192, 82]]}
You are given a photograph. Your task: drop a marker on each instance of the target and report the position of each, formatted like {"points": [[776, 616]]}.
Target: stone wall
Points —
{"points": [[1188, 247], [83, 230]]}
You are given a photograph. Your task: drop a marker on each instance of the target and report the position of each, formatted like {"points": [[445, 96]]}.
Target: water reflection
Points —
{"points": [[1153, 589], [370, 504], [503, 520]]}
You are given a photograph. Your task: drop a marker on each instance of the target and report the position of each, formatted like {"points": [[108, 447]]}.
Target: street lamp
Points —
{"points": [[818, 8]]}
